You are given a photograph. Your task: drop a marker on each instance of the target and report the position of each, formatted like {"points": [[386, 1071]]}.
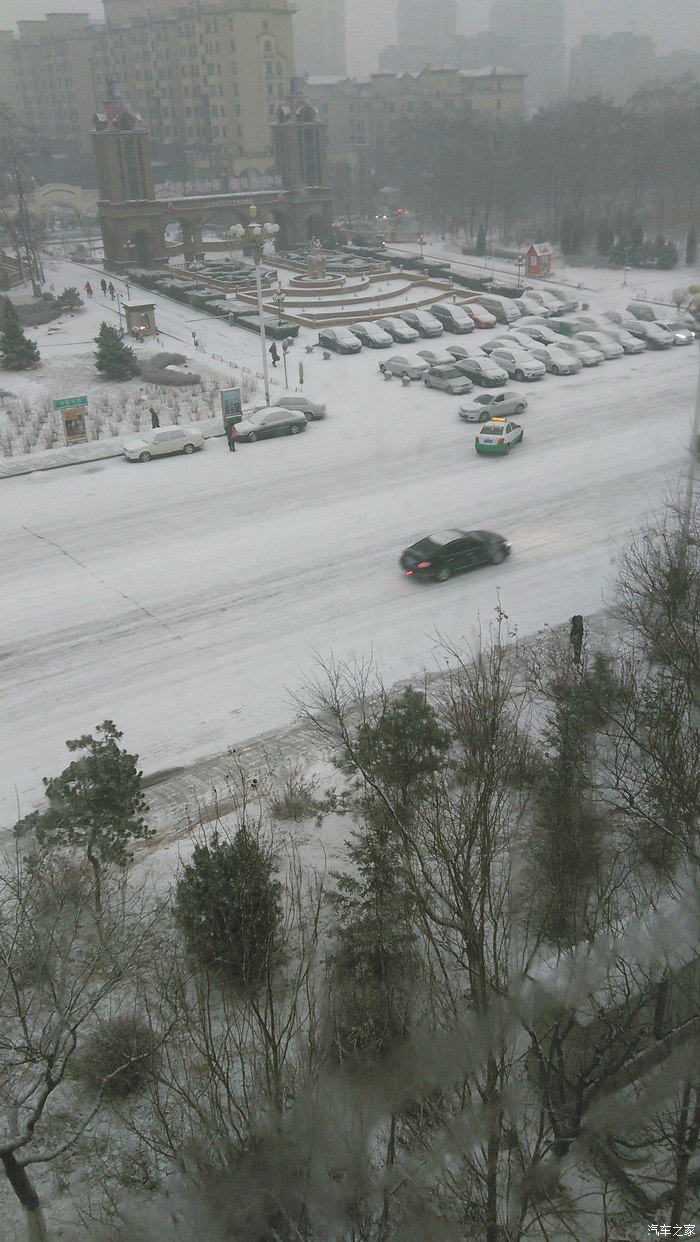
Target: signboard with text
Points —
{"points": [[73, 415], [231, 406]]}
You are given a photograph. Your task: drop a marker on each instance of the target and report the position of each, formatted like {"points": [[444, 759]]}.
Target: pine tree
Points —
{"points": [[113, 358], [17, 353]]}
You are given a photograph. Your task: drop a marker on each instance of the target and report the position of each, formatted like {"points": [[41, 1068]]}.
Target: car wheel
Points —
{"points": [[252, 437], [144, 456], [519, 407], [519, 376], [442, 574], [294, 429], [497, 556], [556, 371], [506, 450], [188, 450]]}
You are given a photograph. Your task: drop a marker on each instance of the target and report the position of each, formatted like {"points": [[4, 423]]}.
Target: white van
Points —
{"points": [[504, 309]]}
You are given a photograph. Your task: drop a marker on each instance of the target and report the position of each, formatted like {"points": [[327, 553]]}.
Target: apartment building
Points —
{"points": [[206, 78]]}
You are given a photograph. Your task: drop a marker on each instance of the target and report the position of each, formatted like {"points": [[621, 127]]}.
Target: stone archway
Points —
{"points": [[142, 241]]}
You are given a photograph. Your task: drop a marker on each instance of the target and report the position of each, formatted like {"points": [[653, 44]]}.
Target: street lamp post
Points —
{"points": [[119, 310], [421, 243], [255, 236], [278, 299], [521, 263], [694, 455]]}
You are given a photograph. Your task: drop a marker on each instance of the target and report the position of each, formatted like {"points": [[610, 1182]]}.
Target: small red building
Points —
{"points": [[539, 259]]}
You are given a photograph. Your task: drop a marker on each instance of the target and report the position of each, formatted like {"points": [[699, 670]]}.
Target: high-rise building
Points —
{"points": [[319, 36], [207, 81], [536, 28], [612, 68], [427, 21]]}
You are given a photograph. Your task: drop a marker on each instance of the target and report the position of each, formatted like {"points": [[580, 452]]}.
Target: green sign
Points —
{"points": [[65, 402]]}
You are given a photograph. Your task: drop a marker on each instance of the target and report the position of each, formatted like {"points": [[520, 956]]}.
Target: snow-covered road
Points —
{"points": [[184, 599]]}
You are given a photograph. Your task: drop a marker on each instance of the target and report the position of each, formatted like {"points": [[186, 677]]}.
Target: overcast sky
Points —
{"points": [[372, 23]]}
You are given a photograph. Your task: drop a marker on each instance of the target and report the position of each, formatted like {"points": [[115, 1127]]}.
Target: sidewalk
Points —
{"points": [[76, 454]]}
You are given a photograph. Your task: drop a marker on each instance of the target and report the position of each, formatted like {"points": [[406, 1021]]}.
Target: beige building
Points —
{"points": [[206, 77], [365, 115]]}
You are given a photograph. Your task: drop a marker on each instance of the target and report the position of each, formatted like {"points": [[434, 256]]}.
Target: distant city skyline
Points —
{"points": [[371, 24]]}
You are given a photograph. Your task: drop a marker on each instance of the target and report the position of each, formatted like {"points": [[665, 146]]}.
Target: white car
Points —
{"points": [[436, 357], [372, 335], [551, 304], [161, 442], [527, 306], [398, 330], [449, 379], [630, 344], [589, 357], [507, 340], [655, 335], [598, 340], [407, 368], [497, 437], [683, 334], [488, 405], [519, 363], [556, 360]]}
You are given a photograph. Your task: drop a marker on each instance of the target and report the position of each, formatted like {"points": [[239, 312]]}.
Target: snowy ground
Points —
{"points": [[185, 599]]}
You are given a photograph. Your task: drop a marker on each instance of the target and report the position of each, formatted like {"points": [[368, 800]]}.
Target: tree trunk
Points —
{"points": [[21, 1184]]}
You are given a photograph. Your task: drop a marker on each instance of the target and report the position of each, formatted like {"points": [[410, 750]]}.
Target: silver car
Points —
{"points": [[630, 344], [491, 405], [519, 363], [598, 340], [371, 334], [507, 340], [423, 322], [162, 442], [683, 334], [437, 357], [449, 379], [589, 356], [311, 410], [407, 368], [556, 360]]}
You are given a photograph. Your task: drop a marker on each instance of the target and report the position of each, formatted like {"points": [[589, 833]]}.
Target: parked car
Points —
{"points": [[483, 371], [626, 321], [407, 368], [520, 364], [492, 404], [341, 340], [449, 552], [539, 332], [271, 420], [466, 351], [567, 325], [436, 357], [162, 442], [528, 307], [630, 344], [498, 437], [371, 334], [424, 323], [312, 410], [449, 378], [507, 340], [504, 309], [369, 241], [398, 330], [544, 298], [654, 335], [598, 340], [578, 349], [452, 318], [556, 360], [682, 333], [529, 320], [568, 301], [650, 312], [481, 316]]}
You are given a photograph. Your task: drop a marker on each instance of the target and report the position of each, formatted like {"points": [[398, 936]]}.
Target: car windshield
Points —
{"points": [[493, 429], [449, 372], [484, 399]]}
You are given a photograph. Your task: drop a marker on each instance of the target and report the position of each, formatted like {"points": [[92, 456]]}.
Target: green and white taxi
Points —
{"points": [[498, 436]]}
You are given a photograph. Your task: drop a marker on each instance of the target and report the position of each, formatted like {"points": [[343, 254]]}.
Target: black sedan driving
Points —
{"points": [[449, 552]]}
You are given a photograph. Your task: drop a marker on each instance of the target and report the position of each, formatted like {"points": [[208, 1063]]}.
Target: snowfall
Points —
{"points": [[189, 599]]}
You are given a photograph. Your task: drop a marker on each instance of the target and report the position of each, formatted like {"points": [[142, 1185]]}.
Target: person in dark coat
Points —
{"points": [[88, 288], [232, 437], [111, 290], [103, 287], [155, 421], [274, 354], [576, 636]]}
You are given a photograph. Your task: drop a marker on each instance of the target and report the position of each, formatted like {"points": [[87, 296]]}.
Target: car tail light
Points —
{"points": [[424, 565], [502, 440], [409, 573]]}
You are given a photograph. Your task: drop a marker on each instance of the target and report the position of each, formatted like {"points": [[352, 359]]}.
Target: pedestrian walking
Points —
{"points": [[88, 288], [274, 354], [111, 290], [155, 421], [103, 287], [232, 437]]}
